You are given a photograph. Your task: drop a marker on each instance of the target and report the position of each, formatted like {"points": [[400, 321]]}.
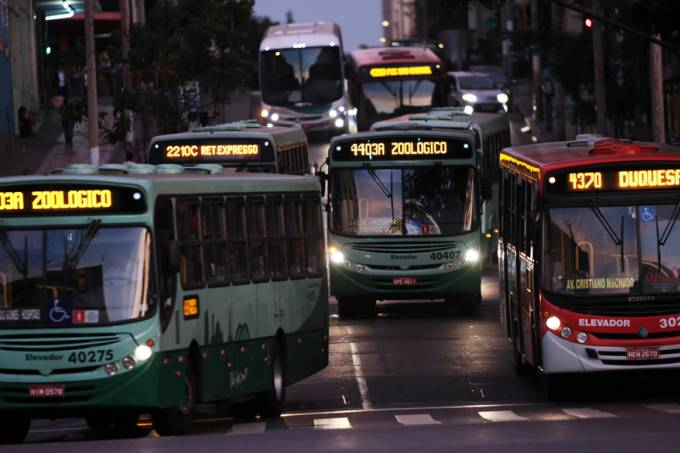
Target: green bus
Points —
{"points": [[403, 219], [130, 289], [242, 146], [492, 134]]}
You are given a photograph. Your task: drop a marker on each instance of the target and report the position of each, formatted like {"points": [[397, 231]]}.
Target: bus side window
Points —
{"points": [[214, 242], [257, 239], [521, 215], [237, 244], [188, 231], [278, 263], [304, 150], [313, 236], [296, 253], [165, 235]]}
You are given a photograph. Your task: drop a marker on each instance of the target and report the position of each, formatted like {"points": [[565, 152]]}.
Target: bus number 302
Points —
{"points": [[99, 355], [452, 255]]}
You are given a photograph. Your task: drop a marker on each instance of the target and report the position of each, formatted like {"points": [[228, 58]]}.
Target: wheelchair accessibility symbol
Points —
{"points": [[648, 213], [60, 311]]}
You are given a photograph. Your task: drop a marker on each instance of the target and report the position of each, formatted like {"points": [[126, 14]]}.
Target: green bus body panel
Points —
{"points": [[230, 343]]}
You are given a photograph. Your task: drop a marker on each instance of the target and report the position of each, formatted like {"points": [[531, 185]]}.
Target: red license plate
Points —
{"points": [[46, 391], [405, 281], [642, 353]]}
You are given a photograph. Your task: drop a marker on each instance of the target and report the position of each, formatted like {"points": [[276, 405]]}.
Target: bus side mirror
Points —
{"points": [[175, 257], [486, 189], [323, 178]]}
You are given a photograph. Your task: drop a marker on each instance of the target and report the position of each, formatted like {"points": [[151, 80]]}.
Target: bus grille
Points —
{"points": [[403, 247], [667, 356], [56, 342], [622, 308], [421, 267]]}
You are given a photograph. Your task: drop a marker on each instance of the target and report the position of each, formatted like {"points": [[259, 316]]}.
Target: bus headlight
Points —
{"points": [[128, 362], [143, 352], [339, 123], [471, 256], [264, 113], [275, 116], [111, 369], [468, 110], [553, 323], [469, 97], [333, 113], [336, 256], [502, 98]]}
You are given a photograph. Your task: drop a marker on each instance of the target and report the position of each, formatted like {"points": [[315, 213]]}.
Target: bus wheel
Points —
{"points": [[176, 421], [13, 428], [271, 403]]}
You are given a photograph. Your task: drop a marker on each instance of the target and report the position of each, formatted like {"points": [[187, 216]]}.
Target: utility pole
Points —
{"points": [[598, 64], [125, 41], [536, 66], [92, 107], [656, 82]]}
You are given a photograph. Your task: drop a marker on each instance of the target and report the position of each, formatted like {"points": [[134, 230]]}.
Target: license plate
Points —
{"points": [[405, 281], [46, 391], [642, 353]]}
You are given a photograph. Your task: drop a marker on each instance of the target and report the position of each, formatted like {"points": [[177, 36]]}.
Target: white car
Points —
{"points": [[478, 91]]}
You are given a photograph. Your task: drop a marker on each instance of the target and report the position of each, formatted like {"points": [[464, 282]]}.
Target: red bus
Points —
{"points": [[388, 82], [589, 263]]}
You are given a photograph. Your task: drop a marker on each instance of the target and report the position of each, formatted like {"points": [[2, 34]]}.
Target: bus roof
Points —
{"points": [[446, 118], [306, 34], [393, 55], [585, 150], [280, 136]]}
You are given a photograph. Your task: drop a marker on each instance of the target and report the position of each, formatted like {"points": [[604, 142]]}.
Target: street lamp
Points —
{"points": [[383, 40], [386, 23]]}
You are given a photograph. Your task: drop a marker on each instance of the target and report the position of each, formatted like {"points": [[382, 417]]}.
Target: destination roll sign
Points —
{"points": [[402, 148], [70, 200], [615, 180], [210, 151]]}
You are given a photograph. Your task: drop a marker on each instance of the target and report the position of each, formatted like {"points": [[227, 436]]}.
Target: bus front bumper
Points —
{"points": [[562, 356], [385, 285]]}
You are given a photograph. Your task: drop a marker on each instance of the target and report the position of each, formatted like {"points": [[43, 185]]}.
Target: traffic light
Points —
{"points": [[588, 22]]}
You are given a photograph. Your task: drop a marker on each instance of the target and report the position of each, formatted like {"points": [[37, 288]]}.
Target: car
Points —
{"points": [[478, 91], [497, 73]]}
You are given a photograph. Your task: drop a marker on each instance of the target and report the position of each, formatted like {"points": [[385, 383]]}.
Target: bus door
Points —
{"points": [[525, 279]]}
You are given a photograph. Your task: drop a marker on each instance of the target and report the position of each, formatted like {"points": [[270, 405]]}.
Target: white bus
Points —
{"points": [[302, 78]]}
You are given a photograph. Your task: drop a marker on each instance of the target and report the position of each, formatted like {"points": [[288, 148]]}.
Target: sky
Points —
{"points": [[359, 20]]}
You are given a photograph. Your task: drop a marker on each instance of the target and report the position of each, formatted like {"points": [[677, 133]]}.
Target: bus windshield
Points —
{"points": [[425, 201], [386, 98], [614, 250], [92, 275], [301, 77]]}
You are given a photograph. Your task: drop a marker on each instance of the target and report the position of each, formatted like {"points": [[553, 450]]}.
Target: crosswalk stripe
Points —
{"points": [[501, 416], [670, 408], [586, 412], [332, 423], [248, 428], [416, 419]]}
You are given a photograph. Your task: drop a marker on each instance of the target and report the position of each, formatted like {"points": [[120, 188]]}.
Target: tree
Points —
{"points": [[187, 45]]}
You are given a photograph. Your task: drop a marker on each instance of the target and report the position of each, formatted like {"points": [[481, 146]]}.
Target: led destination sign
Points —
{"points": [[70, 200], [211, 150], [402, 148], [624, 179], [400, 71]]}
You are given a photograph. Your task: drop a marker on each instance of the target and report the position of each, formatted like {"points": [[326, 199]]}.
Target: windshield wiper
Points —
{"points": [[617, 240], [14, 256], [72, 259], [371, 171]]}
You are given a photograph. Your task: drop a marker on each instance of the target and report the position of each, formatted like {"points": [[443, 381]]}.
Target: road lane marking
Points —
{"points": [[586, 412], [248, 428], [332, 423], [361, 380], [670, 408], [417, 419], [501, 416], [410, 409]]}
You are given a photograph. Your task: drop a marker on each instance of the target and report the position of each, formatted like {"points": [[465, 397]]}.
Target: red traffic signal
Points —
{"points": [[588, 22]]}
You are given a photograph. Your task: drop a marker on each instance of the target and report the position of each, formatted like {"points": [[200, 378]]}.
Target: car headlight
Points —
{"points": [[471, 256], [502, 98], [264, 113], [336, 256], [469, 97], [333, 113], [275, 116], [468, 110], [143, 352], [339, 123]]}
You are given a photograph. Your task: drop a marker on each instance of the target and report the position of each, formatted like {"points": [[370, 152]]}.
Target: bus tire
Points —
{"points": [[13, 428], [272, 402], [176, 421]]}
